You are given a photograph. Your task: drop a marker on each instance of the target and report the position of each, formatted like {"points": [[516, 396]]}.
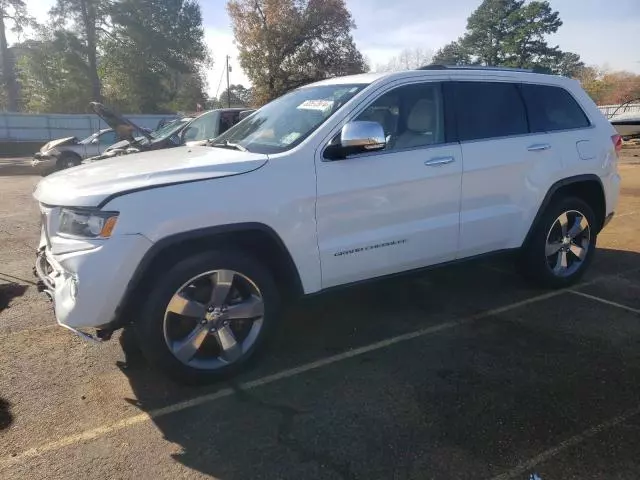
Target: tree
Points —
{"points": [[568, 64], [452, 54], [14, 12], [407, 59], [84, 19], [511, 33], [151, 44], [52, 75], [287, 43], [239, 96], [190, 92]]}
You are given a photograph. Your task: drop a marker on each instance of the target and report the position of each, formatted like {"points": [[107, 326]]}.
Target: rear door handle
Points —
{"points": [[538, 147], [437, 161]]}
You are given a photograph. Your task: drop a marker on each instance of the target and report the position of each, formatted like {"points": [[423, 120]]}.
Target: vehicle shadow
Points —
{"points": [[6, 418], [219, 441], [9, 291]]}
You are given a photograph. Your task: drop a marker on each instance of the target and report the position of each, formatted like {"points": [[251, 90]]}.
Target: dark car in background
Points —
{"points": [[211, 124]]}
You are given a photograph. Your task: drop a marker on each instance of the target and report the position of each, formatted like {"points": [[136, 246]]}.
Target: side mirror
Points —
{"points": [[357, 137], [94, 141]]}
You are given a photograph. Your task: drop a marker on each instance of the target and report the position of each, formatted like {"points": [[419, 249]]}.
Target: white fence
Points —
{"points": [[609, 109], [23, 127]]}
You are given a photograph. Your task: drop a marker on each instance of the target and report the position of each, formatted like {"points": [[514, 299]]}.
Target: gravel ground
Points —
{"points": [[465, 372]]}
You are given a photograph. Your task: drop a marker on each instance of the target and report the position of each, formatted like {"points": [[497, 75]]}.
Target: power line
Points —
{"points": [[219, 83]]}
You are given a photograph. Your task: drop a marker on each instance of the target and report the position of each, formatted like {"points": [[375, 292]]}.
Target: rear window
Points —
{"points": [[552, 108], [488, 110]]}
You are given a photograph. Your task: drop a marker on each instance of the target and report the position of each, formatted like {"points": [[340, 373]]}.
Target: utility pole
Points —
{"points": [[228, 91]]}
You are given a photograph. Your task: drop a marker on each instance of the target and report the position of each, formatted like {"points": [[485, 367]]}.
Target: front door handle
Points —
{"points": [[538, 147], [437, 161]]}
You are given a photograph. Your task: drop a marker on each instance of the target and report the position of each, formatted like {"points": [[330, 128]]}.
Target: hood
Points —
{"points": [[59, 142], [123, 127], [88, 185]]}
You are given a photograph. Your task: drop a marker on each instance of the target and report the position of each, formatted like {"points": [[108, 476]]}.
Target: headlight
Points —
{"points": [[86, 223]]}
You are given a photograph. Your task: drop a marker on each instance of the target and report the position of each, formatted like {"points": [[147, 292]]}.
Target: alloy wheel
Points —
{"points": [[213, 319], [568, 243]]}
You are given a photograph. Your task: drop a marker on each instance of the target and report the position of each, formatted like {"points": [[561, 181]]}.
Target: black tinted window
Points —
{"points": [[552, 108], [486, 110]]}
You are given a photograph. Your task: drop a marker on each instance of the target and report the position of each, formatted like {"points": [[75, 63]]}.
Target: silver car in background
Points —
{"points": [[69, 152]]}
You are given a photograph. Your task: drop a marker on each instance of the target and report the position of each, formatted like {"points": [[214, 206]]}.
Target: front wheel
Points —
{"points": [[69, 161], [208, 315], [562, 244]]}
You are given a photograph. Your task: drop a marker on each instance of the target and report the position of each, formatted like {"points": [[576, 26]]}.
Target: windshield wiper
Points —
{"points": [[228, 144]]}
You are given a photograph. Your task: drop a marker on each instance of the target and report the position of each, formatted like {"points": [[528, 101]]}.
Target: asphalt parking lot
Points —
{"points": [[464, 372]]}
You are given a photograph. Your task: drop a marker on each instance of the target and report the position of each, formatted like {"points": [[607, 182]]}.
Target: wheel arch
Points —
{"points": [[65, 154], [257, 238], [588, 187]]}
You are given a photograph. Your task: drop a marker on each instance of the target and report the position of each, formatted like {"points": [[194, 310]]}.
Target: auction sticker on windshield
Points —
{"points": [[321, 105]]}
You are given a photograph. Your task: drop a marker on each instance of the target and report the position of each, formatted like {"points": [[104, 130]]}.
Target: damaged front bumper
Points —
{"points": [[48, 272], [87, 281]]}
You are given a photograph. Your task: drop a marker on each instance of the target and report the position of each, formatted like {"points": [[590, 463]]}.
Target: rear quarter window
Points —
{"points": [[552, 108], [489, 110]]}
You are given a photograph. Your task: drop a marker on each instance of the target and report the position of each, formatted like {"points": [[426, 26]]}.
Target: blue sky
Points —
{"points": [[602, 32]]}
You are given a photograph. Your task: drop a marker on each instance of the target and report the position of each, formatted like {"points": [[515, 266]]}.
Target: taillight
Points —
{"points": [[617, 143]]}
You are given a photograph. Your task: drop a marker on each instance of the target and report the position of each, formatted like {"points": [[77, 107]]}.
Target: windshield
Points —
{"points": [[285, 122], [169, 129]]}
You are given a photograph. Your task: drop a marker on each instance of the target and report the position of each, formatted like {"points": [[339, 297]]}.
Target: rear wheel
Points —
{"points": [[208, 316], [562, 244]]}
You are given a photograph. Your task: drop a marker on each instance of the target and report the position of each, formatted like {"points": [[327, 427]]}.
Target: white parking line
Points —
{"points": [[527, 466], [624, 215], [227, 392], [603, 300]]}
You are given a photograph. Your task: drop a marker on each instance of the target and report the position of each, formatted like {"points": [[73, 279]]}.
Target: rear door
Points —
{"points": [[501, 161], [554, 111]]}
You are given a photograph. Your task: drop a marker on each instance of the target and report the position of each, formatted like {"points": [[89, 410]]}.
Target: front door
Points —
{"points": [[397, 209], [105, 140]]}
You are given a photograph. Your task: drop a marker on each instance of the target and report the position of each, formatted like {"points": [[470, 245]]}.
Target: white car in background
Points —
{"points": [[69, 152], [341, 181]]}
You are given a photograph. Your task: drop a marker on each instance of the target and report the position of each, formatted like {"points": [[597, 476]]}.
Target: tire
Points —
{"points": [[549, 234], [193, 300], [68, 160]]}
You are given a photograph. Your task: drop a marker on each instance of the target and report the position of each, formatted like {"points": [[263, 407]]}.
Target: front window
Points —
{"points": [[202, 128], [108, 138], [288, 120]]}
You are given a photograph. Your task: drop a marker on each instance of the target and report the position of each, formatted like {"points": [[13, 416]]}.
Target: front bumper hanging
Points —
{"points": [[46, 274]]}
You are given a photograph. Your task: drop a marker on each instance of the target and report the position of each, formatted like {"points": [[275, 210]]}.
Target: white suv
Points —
{"points": [[337, 182]]}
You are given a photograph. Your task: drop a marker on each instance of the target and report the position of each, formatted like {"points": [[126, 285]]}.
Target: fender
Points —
{"points": [[125, 306], [552, 191]]}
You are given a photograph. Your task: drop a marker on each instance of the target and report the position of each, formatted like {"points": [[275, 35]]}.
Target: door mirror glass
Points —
{"points": [[357, 137]]}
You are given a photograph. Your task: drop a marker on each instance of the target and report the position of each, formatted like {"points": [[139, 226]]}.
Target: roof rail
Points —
{"points": [[475, 67]]}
